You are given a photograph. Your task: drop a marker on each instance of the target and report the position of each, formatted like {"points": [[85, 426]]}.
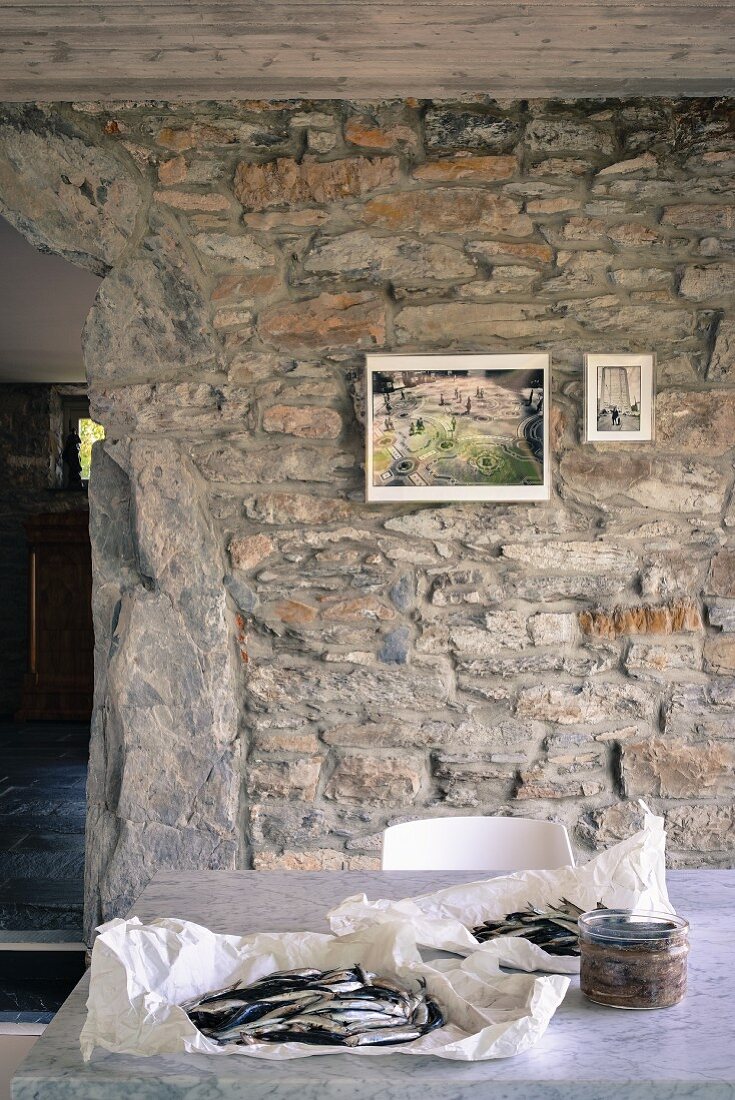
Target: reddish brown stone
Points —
{"points": [[633, 234], [306, 421], [287, 182], [294, 611], [581, 228], [557, 426], [329, 321], [205, 133], [256, 106], [278, 218], [172, 171], [505, 250], [552, 205], [466, 166], [355, 608], [361, 130], [179, 140], [248, 550], [244, 286], [193, 200], [445, 209], [644, 619]]}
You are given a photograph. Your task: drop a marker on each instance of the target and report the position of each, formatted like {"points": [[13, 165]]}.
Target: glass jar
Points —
{"points": [[632, 959]]}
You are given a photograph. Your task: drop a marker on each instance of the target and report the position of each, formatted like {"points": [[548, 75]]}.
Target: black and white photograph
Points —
{"points": [[619, 398], [457, 427]]}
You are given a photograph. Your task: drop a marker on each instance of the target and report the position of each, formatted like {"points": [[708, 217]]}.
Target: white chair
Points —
{"points": [[476, 844]]}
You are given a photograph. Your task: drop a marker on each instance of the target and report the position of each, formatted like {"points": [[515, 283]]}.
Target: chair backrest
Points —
{"points": [[476, 844]]}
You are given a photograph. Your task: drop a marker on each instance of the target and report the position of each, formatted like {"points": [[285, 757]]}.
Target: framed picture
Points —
{"points": [[457, 427], [619, 398]]}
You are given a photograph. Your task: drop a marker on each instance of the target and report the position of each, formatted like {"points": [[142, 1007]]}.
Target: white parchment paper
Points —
{"points": [[630, 875], [141, 973]]}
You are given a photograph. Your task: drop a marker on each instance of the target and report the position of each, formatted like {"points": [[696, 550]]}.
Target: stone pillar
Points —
{"points": [[164, 777]]}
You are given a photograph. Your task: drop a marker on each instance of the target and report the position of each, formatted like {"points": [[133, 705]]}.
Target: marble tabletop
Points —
{"points": [[588, 1053]]}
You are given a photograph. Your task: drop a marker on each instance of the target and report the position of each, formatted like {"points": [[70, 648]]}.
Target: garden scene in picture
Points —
{"points": [[455, 428], [618, 399]]}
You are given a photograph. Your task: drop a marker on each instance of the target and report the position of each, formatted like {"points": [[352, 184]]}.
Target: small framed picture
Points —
{"points": [[457, 427], [619, 398]]}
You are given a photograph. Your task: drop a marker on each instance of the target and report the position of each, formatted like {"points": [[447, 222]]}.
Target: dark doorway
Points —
{"points": [[46, 636]]}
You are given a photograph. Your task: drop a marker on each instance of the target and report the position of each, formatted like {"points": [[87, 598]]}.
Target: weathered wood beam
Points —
{"points": [[284, 48]]}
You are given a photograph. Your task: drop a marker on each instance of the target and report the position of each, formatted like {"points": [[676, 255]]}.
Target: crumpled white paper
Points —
{"points": [[630, 875], [142, 972]]}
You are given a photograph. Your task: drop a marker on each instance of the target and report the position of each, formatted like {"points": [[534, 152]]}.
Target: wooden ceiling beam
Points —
{"points": [[364, 49]]}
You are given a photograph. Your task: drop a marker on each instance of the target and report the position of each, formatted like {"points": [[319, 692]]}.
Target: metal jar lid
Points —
{"points": [[631, 926]]}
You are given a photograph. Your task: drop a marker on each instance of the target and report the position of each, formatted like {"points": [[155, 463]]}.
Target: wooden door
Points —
{"points": [[59, 681]]}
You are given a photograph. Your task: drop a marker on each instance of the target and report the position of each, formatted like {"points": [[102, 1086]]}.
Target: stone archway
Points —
{"points": [[164, 779]]}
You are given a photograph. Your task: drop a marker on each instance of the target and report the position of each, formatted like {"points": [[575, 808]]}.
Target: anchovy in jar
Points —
{"points": [[633, 959]]}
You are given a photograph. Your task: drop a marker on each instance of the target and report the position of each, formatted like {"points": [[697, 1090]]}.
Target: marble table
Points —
{"points": [[588, 1053]]}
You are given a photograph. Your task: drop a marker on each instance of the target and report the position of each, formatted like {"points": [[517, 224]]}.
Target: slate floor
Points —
{"points": [[43, 773]]}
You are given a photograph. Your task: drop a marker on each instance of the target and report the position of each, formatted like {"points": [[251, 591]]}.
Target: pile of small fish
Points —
{"points": [[553, 928], [346, 1007]]}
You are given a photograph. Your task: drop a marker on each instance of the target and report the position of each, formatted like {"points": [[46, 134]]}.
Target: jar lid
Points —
{"points": [[631, 925]]}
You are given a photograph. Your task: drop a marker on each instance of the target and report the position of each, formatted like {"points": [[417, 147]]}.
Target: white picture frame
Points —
{"points": [[619, 387], [457, 463]]}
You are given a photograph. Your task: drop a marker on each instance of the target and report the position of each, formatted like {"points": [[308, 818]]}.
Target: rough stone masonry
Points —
{"points": [[282, 670]]}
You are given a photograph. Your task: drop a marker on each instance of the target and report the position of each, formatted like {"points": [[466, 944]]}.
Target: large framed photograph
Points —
{"points": [[619, 398], [457, 427]]}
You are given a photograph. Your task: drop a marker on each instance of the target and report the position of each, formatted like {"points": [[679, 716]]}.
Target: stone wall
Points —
{"points": [[281, 669], [29, 451]]}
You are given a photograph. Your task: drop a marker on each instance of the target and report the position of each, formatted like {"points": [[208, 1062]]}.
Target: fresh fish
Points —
{"points": [[213, 996], [314, 1038], [343, 1006], [553, 928], [379, 1019], [391, 986], [353, 986], [309, 972], [217, 1008], [273, 989], [360, 1004], [379, 1038], [293, 995], [308, 1023]]}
